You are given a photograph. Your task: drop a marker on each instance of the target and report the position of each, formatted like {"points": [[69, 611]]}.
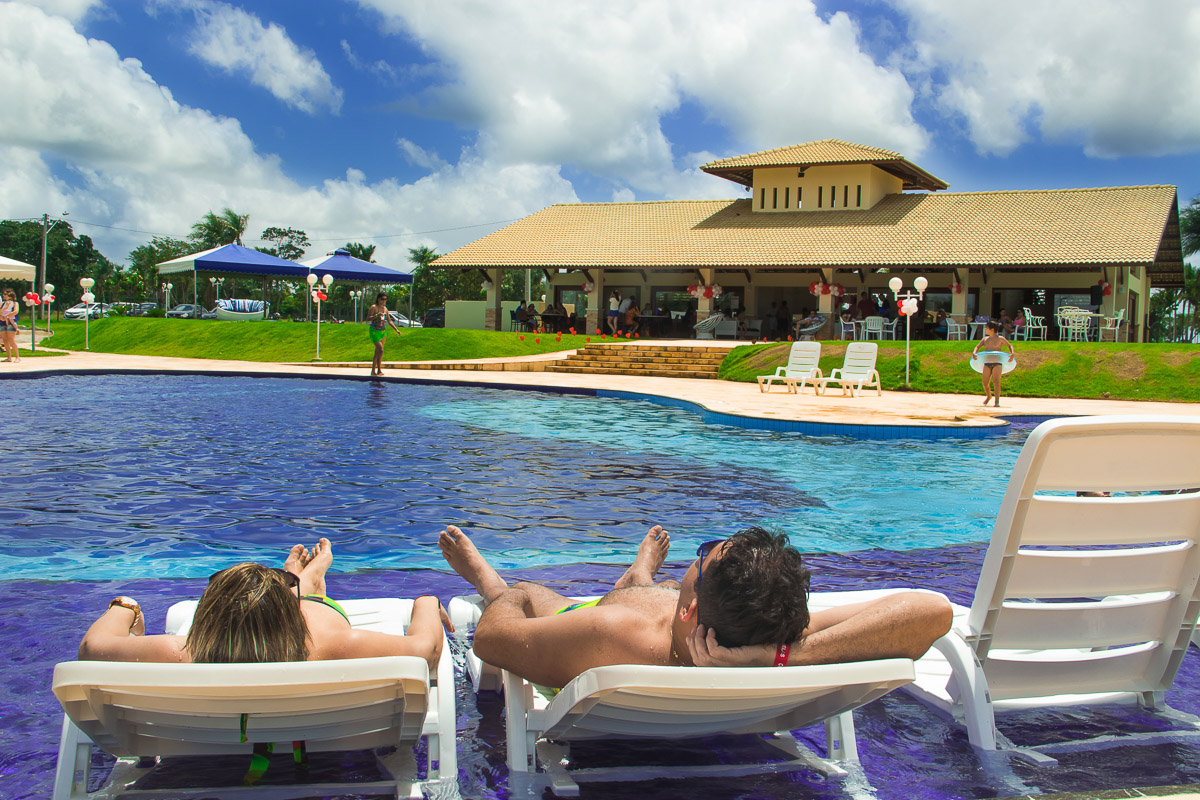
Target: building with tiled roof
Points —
{"points": [[837, 214]]}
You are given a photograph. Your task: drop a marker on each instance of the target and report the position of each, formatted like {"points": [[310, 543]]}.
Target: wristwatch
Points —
{"points": [[130, 603]]}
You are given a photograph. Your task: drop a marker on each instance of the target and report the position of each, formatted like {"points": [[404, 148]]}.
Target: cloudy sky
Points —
{"points": [[434, 122]]}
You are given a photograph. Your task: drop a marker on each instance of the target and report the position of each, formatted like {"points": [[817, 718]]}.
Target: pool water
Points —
{"points": [[146, 485]]}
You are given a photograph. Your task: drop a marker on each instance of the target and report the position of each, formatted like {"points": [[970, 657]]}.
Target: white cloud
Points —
{"points": [[138, 159], [588, 84], [239, 42], [378, 67], [419, 156], [74, 10], [1118, 77]]}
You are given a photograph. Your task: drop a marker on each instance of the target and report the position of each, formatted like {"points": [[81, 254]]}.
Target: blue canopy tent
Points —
{"points": [[232, 258]]}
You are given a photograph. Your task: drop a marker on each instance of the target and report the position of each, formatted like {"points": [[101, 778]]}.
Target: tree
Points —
{"points": [[68, 257], [1189, 227], [289, 243], [363, 252], [144, 261], [217, 230]]}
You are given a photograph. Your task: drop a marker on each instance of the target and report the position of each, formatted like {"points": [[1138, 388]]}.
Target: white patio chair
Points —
{"points": [[889, 328], [846, 329], [955, 329], [1112, 327], [1035, 326], [857, 370], [678, 703], [1081, 600], [135, 711], [803, 365], [873, 328]]}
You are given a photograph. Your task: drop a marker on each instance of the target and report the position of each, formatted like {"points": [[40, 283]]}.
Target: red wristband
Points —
{"points": [[781, 655]]}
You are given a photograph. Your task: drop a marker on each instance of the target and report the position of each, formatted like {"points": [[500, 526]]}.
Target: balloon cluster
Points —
{"points": [[956, 288], [588, 287], [818, 288], [1105, 287], [318, 296], [32, 299], [908, 306], [706, 291]]}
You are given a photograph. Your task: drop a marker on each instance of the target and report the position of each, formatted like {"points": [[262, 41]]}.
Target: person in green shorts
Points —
{"points": [[378, 319]]}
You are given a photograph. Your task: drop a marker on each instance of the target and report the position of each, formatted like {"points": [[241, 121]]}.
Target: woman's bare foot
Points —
{"points": [[297, 557], [464, 558], [312, 577], [652, 552]]}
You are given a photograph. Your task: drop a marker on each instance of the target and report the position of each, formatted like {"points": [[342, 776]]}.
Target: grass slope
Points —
{"points": [[1044, 369], [295, 341]]}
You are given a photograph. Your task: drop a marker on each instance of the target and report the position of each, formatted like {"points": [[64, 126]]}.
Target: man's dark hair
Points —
{"points": [[757, 592], [991, 325]]}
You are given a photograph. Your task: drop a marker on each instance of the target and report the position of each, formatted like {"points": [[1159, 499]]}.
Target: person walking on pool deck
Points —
{"points": [[743, 601], [378, 318], [993, 341], [251, 614]]}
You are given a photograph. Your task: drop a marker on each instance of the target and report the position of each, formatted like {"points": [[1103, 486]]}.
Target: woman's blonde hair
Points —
{"points": [[248, 614]]}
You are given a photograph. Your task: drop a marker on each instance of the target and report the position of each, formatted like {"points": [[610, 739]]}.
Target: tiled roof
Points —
{"points": [[1013, 228], [825, 151]]}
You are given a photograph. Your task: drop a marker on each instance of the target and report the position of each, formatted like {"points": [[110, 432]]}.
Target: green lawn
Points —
{"points": [[1044, 369], [295, 341]]}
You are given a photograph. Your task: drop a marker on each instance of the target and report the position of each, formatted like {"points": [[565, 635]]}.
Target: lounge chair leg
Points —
{"points": [[801, 755], [554, 758]]}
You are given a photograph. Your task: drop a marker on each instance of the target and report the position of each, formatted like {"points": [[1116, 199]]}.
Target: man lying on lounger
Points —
{"points": [[742, 602]]}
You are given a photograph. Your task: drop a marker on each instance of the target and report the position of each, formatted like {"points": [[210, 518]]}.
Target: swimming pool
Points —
{"points": [[146, 485]]}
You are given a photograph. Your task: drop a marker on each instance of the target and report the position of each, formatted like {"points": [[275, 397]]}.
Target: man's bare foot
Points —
{"points": [[312, 577], [464, 558], [652, 552], [297, 557]]}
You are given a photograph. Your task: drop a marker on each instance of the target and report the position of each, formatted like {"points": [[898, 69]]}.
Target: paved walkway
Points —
{"points": [[739, 399]]}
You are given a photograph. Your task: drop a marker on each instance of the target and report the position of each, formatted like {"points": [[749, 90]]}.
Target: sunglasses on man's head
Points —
{"points": [[701, 552], [290, 579]]}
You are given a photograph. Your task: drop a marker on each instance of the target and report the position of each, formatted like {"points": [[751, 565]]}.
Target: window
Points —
{"points": [[775, 198], [833, 197], [858, 202], [787, 197], [845, 197], [762, 198], [820, 196], [799, 198]]}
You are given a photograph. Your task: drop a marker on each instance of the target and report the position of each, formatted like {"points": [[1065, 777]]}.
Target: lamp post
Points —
{"points": [[354, 295], [48, 299], [319, 296], [216, 282], [908, 308], [167, 296], [88, 297]]}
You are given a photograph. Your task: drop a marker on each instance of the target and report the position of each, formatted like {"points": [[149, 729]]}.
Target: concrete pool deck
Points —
{"points": [[744, 400]]}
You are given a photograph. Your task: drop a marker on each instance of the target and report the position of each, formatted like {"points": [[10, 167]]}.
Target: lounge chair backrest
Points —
{"points": [[1113, 582], [193, 709], [804, 357], [860, 358]]}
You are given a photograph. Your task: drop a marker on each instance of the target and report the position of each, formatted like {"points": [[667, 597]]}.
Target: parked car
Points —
{"points": [[186, 311], [90, 310], [124, 309], [434, 318], [402, 321], [208, 313], [141, 309]]}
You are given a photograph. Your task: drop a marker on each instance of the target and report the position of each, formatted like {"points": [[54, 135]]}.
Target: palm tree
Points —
{"points": [[215, 230], [363, 252]]}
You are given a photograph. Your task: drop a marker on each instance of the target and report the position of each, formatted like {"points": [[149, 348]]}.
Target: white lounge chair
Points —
{"points": [[857, 370], [1081, 600], [630, 702], [145, 711], [803, 365]]}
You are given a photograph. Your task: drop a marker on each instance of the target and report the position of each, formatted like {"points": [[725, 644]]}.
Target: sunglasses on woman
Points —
{"points": [[290, 579]]}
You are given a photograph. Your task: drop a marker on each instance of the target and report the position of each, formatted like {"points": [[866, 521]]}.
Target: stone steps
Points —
{"points": [[665, 361]]}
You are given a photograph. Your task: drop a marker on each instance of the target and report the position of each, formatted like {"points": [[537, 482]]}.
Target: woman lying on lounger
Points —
{"points": [[251, 613]]}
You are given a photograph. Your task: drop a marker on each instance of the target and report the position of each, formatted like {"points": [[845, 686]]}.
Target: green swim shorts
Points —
{"points": [[376, 336]]}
